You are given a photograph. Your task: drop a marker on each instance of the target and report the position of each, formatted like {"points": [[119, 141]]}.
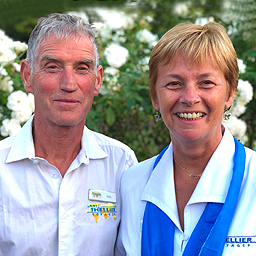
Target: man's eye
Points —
{"points": [[51, 67], [83, 69]]}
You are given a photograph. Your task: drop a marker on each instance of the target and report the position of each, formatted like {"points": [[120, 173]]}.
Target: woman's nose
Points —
{"points": [[190, 95]]}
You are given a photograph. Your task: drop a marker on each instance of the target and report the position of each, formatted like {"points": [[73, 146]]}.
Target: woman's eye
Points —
{"points": [[207, 83], [172, 85]]}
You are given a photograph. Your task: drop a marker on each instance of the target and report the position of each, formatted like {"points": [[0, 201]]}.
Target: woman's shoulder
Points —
{"points": [[250, 158], [138, 174]]}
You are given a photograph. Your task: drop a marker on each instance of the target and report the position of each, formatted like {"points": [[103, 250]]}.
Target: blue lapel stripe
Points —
{"points": [[215, 243], [209, 236]]}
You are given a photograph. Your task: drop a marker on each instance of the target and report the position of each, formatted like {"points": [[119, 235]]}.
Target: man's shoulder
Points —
{"points": [[7, 142]]}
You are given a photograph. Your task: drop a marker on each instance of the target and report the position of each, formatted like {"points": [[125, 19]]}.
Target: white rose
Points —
{"points": [[202, 21], [115, 19], [236, 126], [5, 43], [2, 34], [104, 89], [21, 115], [241, 66], [116, 55], [245, 91], [3, 72], [6, 84], [80, 15], [149, 19], [16, 66], [111, 71], [19, 47], [119, 36], [146, 36], [238, 108], [106, 33], [10, 127], [18, 100], [6, 55], [103, 30], [181, 9]]}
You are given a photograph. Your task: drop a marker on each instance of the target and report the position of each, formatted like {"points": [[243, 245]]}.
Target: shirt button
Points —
{"points": [[35, 162], [185, 237], [64, 216], [55, 176]]}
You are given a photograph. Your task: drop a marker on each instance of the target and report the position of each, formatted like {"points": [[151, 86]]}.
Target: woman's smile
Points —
{"points": [[190, 116]]}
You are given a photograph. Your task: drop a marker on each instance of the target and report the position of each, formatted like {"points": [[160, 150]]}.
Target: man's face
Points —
{"points": [[64, 81]]}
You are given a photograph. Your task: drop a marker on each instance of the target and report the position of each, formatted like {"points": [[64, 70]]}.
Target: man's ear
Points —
{"points": [[98, 81], [25, 71]]}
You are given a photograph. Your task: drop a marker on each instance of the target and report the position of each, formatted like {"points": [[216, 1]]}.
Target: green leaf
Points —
{"points": [[111, 117]]}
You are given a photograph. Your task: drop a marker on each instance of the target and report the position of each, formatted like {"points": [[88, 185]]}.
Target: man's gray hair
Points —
{"points": [[62, 26]]}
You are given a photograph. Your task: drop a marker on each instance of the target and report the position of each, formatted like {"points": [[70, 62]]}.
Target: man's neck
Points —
{"points": [[59, 146]]}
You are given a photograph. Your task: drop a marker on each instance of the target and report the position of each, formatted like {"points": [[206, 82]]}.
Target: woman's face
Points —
{"points": [[192, 99]]}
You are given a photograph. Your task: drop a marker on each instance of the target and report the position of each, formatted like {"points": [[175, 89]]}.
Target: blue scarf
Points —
{"points": [[209, 235]]}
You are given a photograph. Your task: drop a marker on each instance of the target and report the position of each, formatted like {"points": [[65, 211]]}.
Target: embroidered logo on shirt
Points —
{"points": [[106, 210], [96, 194], [102, 196], [240, 241]]}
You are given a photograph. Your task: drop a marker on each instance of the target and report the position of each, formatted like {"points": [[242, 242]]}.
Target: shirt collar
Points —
{"points": [[208, 189], [215, 180], [91, 146], [23, 145], [162, 195]]}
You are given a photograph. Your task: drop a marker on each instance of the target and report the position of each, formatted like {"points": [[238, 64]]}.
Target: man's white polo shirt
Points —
{"points": [[42, 213]]}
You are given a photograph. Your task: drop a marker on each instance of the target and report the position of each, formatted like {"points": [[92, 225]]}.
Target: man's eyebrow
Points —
{"points": [[85, 61], [49, 57]]}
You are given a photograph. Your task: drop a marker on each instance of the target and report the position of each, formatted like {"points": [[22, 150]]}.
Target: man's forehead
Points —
{"points": [[62, 38], [49, 49]]}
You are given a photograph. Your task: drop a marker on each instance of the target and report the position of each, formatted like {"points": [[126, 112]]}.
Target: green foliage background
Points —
{"points": [[127, 114]]}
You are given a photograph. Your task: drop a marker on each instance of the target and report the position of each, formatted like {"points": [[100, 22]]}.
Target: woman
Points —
{"points": [[197, 196]]}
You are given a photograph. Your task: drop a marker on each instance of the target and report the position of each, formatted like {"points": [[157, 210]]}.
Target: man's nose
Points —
{"points": [[68, 80]]}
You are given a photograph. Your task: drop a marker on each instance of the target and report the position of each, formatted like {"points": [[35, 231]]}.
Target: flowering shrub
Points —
{"points": [[16, 105], [123, 109], [243, 95]]}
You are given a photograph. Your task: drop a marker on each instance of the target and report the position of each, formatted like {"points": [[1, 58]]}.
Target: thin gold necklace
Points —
{"points": [[195, 176]]}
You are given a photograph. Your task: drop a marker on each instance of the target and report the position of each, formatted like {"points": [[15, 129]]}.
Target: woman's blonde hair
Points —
{"points": [[195, 43]]}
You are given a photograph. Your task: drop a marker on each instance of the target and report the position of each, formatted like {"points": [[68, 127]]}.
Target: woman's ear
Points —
{"points": [[25, 71], [155, 103], [230, 98]]}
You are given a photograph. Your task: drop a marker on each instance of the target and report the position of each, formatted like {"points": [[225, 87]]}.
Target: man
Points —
{"points": [[59, 181]]}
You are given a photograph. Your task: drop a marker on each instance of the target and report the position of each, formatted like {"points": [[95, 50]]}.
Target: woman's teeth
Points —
{"points": [[190, 116]]}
